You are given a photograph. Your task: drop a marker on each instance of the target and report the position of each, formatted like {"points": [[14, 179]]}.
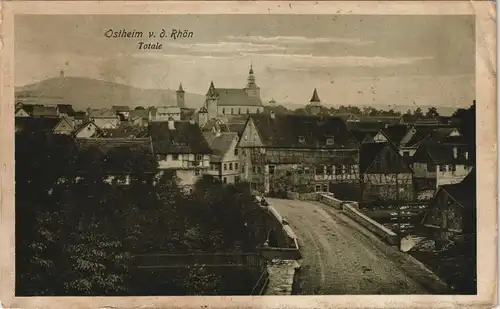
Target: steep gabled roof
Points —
{"points": [[236, 97], [442, 154], [120, 108], [315, 97], [138, 113], [219, 144], [105, 145], [186, 138], [395, 133], [369, 152], [302, 131]]}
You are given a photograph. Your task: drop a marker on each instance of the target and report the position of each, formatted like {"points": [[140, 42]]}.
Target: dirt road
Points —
{"points": [[341, 257]]}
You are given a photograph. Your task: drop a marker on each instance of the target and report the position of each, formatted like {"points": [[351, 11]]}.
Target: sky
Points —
{"points": [[350, 59]]}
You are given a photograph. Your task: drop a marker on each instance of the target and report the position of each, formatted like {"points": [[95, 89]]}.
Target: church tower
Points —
{"points": [[315, 103], [212, 101], [252, 89], [180, 97]]}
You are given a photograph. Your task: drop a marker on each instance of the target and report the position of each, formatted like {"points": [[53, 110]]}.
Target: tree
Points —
{"points": [[139, 108], [432, 113]]}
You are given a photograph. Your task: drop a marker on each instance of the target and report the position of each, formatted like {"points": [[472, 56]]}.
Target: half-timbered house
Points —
{"points": [[297, 152], [452, 210], [384, 173]]}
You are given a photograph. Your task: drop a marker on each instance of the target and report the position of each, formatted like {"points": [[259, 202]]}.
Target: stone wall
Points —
{"points": [[351, 209]]}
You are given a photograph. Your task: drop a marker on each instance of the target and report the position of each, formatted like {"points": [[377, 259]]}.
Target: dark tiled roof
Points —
{"points": [[102, 113], [35, 125], [185, 138], [441, 154], [219, 144], [464, 192], [367, 154], [28, 108], [236, 127], [421, 133], [369, 151], [80, 115], [372, 127], [236, 97], [302, 131], [66, 109], [107, 144], [138, 113], [315, 97], [123, 132], [44, 111], [380, 119], [395, 133]]}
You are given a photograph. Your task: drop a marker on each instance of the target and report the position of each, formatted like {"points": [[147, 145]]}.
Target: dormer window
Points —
{"points": [[330, 141], [302, 139]]}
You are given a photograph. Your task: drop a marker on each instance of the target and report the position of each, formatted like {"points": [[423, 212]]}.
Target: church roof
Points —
{"points": [[236, 97], [180, 88]]}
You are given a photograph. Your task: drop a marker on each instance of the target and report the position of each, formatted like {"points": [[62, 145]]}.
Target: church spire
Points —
{"points": [[211, 90], [315, 97], [180, 88], [250, 72], [251, 78]]}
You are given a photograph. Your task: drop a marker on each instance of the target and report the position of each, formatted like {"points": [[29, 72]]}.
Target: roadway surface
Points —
{"points": [[341, 257]]}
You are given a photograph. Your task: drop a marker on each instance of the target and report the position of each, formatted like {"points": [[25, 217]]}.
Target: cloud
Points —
{"points": [[299, 40]]}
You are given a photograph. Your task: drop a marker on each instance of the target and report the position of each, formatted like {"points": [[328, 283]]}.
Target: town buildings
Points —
{"points": [[224, 160], [103, 118], [295, 152], [180, 146], [384, 173], [453, 210]]}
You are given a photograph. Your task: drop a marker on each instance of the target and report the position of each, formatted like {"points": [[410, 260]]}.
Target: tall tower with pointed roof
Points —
{"points": [[180, 97], [315, 103], [252, 89], [212, 101]]}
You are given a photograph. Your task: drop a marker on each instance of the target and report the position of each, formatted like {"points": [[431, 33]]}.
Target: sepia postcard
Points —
{"points": [[193, 154]]}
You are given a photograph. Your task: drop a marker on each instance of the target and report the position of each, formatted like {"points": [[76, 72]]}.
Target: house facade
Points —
{"points": [[295, 152], [440, 164], [384, 173], [86, 130], [225, 160], [180, 146], [452, 210], [163, 113], [64, 126]]}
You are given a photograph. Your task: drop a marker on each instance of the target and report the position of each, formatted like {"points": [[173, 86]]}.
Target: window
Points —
{"points": [[442, 168], [320, 169], [329, 170], [406, 153], [338, 169], [239, 110], [199, 157], [453, 168], [271, 169], [246, 137], [235, 166], [237, 179], [224, 179], [230, 166], [318, 188], [197, 172], [175, 157], [225, 166], [254, 170], [258, 170], [325, 188], [248, 111], [258, 111], [232, 111], [235, 151], [330, 141]]}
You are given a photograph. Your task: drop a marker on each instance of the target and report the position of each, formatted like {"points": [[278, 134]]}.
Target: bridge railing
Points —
{"points": [[250, 260]]}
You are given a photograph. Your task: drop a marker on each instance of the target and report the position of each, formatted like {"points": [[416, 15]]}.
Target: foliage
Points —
{"points": [[76, 231]]}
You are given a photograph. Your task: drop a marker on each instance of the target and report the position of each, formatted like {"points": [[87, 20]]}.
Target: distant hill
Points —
{"points": [[86, 92]]}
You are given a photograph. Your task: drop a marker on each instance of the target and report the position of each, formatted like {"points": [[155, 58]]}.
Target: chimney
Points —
{"points": [[272, 115], [455, 153], [171, 123]]}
